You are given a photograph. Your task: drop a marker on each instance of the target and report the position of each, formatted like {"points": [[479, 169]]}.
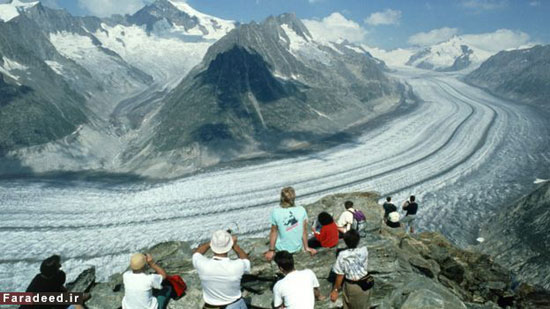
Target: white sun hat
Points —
{"points": [[394, 217], [221, 242]]}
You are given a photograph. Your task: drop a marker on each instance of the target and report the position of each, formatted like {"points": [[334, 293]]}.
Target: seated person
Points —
{"points": [[393, 220], [138, 285], [50, 279], [298, 289], [328, 236], [389, 207], [288, 227], [221, 276], [346, 218]]}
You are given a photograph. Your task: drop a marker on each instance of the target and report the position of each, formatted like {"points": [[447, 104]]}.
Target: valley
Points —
{"points": [[458, 138]]}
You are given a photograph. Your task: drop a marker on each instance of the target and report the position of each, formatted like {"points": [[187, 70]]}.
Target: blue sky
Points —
{"points": [[382, 23]]}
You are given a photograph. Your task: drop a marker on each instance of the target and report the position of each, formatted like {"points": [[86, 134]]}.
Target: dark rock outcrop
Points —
{"points": [[411, 271]]}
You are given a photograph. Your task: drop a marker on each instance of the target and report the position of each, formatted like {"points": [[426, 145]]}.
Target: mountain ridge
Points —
{"points": [[519, 75]]}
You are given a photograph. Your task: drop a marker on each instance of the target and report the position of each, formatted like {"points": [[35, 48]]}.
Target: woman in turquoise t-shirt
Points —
{"points": [[288, 226]]}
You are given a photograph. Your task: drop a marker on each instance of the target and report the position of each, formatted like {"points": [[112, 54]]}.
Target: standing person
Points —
{"points": [[298, 289], [288, 226], [411, 207], [352, 275], [221, 276], [50, 279], [138, 285], [346, 218], [389, 207], [328, 236]]}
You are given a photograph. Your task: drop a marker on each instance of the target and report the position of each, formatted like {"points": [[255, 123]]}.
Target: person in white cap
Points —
{"points": [[221, 276], [138, 285]]}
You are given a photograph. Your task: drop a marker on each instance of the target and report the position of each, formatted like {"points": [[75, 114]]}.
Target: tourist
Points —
{"points": [[143, 290], [389, 207], [298, 289], [345, 220], [411, 207], [327, 237], [288, 226], [352, 277], [221, 276], [50, 279], [393, 220]]}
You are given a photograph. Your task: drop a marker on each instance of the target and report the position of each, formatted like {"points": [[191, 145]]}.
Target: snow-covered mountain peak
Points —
{"points": [[215, 27], [452, 55], [9, 11]]}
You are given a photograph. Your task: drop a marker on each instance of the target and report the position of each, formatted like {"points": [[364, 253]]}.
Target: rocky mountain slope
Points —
{"points": [[270, 87], [260, 89], [519, 75], [517, 236], [411, 271], [36, 104]]}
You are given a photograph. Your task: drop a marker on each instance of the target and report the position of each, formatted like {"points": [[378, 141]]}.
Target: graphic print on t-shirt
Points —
{"points": [[290, 221]]}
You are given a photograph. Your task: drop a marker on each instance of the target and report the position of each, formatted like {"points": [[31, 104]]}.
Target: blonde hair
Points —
{"points": [[288, 195]]}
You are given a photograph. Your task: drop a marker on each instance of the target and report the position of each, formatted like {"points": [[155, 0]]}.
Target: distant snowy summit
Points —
{"points": [[9, 11], [453, 55], [459, 53]]}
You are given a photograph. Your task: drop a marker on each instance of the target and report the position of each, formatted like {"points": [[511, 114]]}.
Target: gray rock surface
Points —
{"points": [[519, 75], [518, 236], [255, 92], [410, 271]]}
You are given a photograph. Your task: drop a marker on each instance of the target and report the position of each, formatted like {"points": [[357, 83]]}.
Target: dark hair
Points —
{"points": [[412, 198], [325, 218], [348, 204], [388, 198], [352, 238], [284, 260], [50, 266]]}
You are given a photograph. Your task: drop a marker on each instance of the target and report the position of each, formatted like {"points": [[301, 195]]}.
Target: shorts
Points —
{"points": [[408, 221]]}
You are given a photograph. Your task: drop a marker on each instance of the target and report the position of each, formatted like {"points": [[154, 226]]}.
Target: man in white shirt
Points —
{"points": [[138, 286], [346, 218], [221, 276], [298, 289]]}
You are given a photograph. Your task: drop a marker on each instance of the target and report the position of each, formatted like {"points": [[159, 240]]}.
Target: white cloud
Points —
{"points": [[314, 1], [335, 27], [534, 3], [501, 39], [432, 37], [484, 4], [387, 17], [103, 8]]}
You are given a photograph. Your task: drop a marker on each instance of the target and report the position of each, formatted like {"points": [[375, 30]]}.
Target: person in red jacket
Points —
{"points": [[327, 237]]}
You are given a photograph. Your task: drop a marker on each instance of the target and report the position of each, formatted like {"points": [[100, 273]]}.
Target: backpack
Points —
{"points": [[359, 222]]}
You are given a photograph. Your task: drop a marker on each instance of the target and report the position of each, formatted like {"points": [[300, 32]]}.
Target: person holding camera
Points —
{"points": [[139, 285], [221, 276]]}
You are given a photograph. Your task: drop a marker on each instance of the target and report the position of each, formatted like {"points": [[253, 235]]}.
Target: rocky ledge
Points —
{"points": [[411, 271]]}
